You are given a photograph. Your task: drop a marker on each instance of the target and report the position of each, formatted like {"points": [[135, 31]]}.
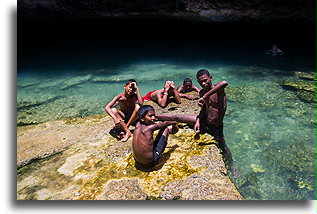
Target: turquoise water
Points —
{"points": [[269, 129]]}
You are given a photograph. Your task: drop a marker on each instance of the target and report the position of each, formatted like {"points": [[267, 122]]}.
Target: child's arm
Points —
{"points": [[158, 126], [196, 88], [176, 94], [163, 99], [140, 101], [220, 86], [199, 118], [180, 89]]}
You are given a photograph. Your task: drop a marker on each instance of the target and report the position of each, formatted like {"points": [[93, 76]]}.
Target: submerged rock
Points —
{"points": [[75, 82], [305, 90], [256, 168]]}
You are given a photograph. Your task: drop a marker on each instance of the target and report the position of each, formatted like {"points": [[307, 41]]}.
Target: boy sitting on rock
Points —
{"points": [[147, 151], [127, 114]]}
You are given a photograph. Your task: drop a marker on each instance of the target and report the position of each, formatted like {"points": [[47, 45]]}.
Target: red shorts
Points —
{"points": [[147, 97]]}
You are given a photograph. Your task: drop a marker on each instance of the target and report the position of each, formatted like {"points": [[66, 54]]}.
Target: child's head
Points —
{"points": [[187, 84], [147, 114], [204, 79], [130, 87]]}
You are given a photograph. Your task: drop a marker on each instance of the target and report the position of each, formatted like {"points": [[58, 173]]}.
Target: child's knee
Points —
{"points": [[137, 107]]}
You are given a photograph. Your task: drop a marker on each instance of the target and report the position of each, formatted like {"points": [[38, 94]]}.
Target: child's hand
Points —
{"points": [[197, 127], [117, 121], [201, 102], [172, 84], [167, 85], [136, 86]]}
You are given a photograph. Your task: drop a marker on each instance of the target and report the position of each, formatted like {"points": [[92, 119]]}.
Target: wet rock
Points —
{"points": [[306, 75], [122, 190], [72, 163]]}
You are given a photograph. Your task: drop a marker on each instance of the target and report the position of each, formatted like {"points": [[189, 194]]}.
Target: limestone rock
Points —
{"points": [[122, 190]]}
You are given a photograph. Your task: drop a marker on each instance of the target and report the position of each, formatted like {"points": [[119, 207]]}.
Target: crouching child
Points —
{"points": [[147, 151]]}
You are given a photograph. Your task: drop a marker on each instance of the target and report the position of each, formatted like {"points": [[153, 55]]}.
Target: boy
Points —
{"points": [[274, 51], [127, 114], [147, 151], [162, 96], [210, 119], [187, 86]]}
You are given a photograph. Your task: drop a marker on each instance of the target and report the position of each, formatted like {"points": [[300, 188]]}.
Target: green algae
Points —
{"points": [[306, 75], [175, 168], [304, 184], [256, 168]]}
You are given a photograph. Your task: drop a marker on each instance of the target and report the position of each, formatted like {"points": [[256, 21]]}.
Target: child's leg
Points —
{"points": [[118, 114], [188, 119], [120, 117], [134, 116], [160, 144], [227, 152]]}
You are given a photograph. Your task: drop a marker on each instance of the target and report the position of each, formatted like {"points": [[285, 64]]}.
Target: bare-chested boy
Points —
{"points": [[187, 86], [162, 96], [147, 151], [127, 114], [210, 119]]}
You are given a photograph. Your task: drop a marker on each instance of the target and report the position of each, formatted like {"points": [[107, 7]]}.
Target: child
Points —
{"points": [[162, 96], [147, 151], [187, 86], [210, 119], [274, 51], [127, 114]]}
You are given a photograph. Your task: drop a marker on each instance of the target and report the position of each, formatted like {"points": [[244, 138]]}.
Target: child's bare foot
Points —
{"points": [[121, 135], [235, 172], [126, 137]]}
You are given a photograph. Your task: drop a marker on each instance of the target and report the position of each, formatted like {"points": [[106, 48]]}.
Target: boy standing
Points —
{"points": [[147, 151], [127, 114], [210, 119]]}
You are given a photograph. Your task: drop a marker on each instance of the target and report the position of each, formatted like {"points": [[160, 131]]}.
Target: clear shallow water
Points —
{"points": [[270, 131]]}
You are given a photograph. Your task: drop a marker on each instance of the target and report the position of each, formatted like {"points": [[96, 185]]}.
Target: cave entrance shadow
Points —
{"points": [[161, 162]]}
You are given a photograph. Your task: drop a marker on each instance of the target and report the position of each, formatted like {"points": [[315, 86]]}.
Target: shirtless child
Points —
{"points": [[210, 119], [187, 86], [162, 96], [147, 151], [127, 114], [274, 51]]}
